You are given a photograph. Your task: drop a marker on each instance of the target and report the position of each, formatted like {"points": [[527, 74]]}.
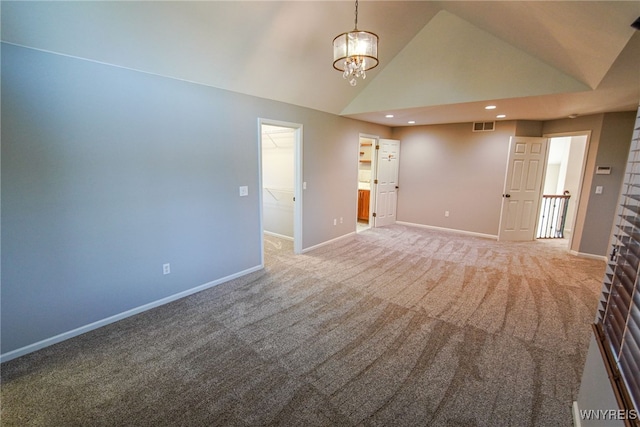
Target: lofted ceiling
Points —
{"points": [[440, 61]]}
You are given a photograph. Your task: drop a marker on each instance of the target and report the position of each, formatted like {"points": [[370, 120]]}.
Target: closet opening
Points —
{"points": [[280, 178]]}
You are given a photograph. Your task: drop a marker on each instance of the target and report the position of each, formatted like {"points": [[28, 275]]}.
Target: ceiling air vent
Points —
{"points": [[484, 126]]}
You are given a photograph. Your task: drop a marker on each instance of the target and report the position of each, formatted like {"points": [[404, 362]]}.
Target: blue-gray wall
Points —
{"points": [[108, 173]]}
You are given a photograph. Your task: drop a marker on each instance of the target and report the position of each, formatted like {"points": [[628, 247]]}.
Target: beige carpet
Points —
{"points": [[396, 327]]}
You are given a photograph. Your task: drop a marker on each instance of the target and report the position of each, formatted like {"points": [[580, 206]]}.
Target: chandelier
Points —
{"points": [[355, 52]]}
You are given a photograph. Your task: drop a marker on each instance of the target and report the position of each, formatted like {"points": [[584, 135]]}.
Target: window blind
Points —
{"points": [[619, 312]]}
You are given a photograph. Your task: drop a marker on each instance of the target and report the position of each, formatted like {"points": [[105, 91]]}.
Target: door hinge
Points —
{"points": [[377, 147], [375, 181], [374, 214]]}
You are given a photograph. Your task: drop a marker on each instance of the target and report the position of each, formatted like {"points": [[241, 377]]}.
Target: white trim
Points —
{"points": [[589, 256], [576, 414], [112, 319], [328, 242], [298, 189], [260, 191], [281, 236], [452, 230]]}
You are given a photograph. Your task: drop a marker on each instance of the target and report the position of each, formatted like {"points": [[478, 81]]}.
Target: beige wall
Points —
{"points": [[451, 168], [330, 169]]}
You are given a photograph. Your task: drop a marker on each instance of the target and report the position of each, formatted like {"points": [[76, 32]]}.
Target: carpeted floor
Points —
{"points": [[396, 327]]}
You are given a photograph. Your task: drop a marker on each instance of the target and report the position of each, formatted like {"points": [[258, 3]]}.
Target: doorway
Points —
{"points": [[280, 181], [562, 186], [366, 166], [378, 168]]}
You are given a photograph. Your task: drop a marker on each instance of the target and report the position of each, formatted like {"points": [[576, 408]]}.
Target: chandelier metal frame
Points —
{"points": [[355, 52]]}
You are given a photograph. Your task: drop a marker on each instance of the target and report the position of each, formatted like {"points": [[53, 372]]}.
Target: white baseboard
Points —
{"points": [[452, 230], [98, 324], [281, 236], [590, 256], [576, 414], [328, 242]]}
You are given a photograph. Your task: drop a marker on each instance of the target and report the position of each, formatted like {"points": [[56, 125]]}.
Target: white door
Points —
{"points": [[386, 182], [522, 188]]}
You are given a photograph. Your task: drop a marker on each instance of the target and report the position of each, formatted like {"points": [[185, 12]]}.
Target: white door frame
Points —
{"points": [[586, 133], [297, 182], [374, 160]]}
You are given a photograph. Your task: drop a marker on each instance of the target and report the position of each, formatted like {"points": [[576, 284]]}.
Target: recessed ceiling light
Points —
{"points": [[501, 116], [490, 107], [389, 116], [412, 122]]}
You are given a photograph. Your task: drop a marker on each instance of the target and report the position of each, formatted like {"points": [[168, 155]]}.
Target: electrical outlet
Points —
{"points": [[166, 268], [335, 221], [341, 220], [446, 213]]}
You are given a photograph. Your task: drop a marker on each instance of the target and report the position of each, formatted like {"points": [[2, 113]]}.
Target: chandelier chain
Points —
{"points": [[356, 20]]}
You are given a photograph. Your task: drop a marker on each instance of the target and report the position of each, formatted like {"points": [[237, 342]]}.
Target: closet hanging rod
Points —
{"points": [[278, 190]]}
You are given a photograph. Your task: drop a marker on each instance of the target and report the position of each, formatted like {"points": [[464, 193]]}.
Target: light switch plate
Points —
{"points": [[244, 191]]}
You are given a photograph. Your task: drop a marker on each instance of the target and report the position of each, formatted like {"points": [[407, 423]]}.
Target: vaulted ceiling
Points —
{"points": [[440, 61]]}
